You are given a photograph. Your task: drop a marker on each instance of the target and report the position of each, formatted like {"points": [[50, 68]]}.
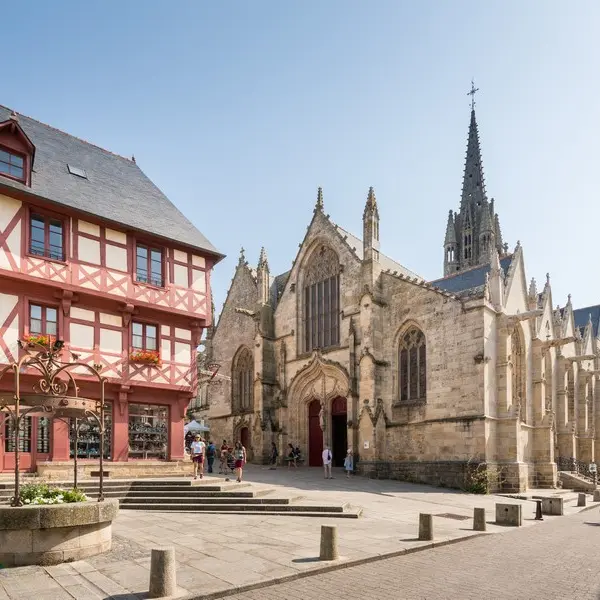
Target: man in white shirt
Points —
{"points": [[198, 449], [327, 459]]}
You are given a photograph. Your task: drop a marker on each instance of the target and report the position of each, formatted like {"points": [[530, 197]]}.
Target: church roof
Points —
{"points": [[470, 279], [385, 261], [114, 188], [582, 316]]}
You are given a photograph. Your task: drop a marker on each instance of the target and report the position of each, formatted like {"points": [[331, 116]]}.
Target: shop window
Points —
{"points": [[24, 435], [148, 431], [88, 443], [43, 435]]}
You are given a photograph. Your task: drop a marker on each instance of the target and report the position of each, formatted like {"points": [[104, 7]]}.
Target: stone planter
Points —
{"points": [[56, 533]]}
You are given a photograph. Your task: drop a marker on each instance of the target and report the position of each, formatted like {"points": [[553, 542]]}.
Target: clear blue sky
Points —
{"points": [[238, 111]]}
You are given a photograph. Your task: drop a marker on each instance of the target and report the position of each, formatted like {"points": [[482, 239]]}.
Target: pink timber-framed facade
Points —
{"points": [[93, 295]]}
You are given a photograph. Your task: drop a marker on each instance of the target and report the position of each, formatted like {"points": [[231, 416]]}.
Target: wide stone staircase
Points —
{"points": [[210, 495]]}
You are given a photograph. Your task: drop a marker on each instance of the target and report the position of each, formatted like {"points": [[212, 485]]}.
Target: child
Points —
{"points": [[349, 463]]}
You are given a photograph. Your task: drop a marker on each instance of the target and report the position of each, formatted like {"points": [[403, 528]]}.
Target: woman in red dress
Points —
{"points": [[239, 453]]}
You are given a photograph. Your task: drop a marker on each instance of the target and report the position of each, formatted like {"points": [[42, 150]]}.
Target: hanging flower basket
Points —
{"points": [[145, 357]]}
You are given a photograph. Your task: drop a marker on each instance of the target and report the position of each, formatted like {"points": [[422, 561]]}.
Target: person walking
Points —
{"points": [[349, 463], [223, 458], [327, 460], [239, 452], [198, 450], [274, 455], [210, 456]]}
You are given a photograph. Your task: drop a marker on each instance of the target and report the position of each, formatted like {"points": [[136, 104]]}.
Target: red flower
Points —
{"points": [[151, 357]]}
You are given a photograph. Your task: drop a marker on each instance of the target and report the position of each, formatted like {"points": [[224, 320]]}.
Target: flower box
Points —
{"points": [[38, 340], [145, 357]]}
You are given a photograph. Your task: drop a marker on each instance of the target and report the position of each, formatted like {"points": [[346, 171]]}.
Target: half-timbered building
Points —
{"points": [[94, 254]]}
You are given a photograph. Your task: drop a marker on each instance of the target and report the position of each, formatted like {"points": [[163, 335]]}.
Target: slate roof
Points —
{"points": [[385, 261], [471, 280], [116, 189], [583, 314]]}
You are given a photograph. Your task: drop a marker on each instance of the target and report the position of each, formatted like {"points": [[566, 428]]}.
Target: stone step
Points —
{"points": [[238, 507], [145, 489], [203, 501], [353, 513]]}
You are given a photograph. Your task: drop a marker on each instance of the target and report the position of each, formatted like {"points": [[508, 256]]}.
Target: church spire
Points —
{"points": [[371, 228], [476, 227], [319, 205], [263, 277]]}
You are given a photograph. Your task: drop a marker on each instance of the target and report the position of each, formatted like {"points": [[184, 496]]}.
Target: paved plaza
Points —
{"points": [[218, 553]]}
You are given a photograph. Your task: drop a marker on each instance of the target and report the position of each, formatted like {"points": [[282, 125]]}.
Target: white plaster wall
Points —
{"points": [[165, 330], [116, 257], [111, 341], [184, 334], [180, 275], [199, 280], [89, 250], [165, 350], [108, 319], [198, 261], [88, 228], [8, 209], [11, 335], [180, 256], [82, 336], [82, 314], [183, 353], [116, 236]]}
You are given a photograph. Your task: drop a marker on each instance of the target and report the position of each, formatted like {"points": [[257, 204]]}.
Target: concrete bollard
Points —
{"points": [[479, 519], [596, 495], [509, 514], [553, 506], [163, 581], [425, 527], [329, 543], [581, 499]]}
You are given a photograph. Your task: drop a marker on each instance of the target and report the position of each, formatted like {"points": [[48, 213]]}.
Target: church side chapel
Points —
{"points": [[425, 380]]}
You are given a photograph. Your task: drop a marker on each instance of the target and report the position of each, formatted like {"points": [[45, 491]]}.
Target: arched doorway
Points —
{"points": [[245, 437], [315, 435], [339, 430]]}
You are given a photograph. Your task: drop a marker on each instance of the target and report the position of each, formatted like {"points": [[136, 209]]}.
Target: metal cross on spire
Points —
{"points": [[472, 93]]}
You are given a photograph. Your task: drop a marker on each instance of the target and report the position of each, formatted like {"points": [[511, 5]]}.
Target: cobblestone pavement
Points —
{"points": [[557, 560], [217, 553]]}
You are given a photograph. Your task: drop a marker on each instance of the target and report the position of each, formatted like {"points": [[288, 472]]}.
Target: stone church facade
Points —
{"points": [[424, 380]]}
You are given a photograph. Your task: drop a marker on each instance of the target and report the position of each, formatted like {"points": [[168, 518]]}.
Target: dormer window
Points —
{"points": [[16, 151], [12, 164]]}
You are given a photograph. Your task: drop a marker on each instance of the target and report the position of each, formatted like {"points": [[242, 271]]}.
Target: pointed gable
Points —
{"points": [[582, 316]]}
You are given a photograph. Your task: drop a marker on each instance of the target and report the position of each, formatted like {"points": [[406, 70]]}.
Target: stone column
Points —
{"points": [[120, 428], [59, 440]]}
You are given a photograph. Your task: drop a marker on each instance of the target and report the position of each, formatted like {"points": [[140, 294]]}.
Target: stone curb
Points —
{"points": [[325, 569]]}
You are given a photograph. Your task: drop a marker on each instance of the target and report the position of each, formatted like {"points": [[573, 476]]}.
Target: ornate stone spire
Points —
{"points": [[473, 188], [450, 230], [319, 205], [262, 259], [532, 295], [371, 228], [371, 204]]}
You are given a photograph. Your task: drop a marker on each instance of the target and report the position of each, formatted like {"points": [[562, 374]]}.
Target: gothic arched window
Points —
{"points": [[242, 380], [412, 366], [321, 300], [518, 372]]}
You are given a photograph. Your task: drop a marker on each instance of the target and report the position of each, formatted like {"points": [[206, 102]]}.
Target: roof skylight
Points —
{"points": [[78, 171]]}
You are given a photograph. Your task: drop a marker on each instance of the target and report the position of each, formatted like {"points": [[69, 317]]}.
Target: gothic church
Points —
{"points": [[424, 380]]}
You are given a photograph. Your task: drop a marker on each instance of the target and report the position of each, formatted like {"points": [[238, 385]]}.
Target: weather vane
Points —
{"points": [[472, 93]]}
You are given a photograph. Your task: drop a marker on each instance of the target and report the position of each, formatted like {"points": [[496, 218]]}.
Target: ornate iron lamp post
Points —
{"points": [[55, 395]]}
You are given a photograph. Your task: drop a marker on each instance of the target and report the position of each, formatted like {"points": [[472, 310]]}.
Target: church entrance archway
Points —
{"points": [[339, 430], [245, 437], [315, 435]]}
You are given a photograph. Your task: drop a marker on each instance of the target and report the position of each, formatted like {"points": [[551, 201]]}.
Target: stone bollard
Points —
{"points": [[479, 519], [596, 495], [425, 527], [509, 514], [329, 543], [581, 499], [162, 573]]}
